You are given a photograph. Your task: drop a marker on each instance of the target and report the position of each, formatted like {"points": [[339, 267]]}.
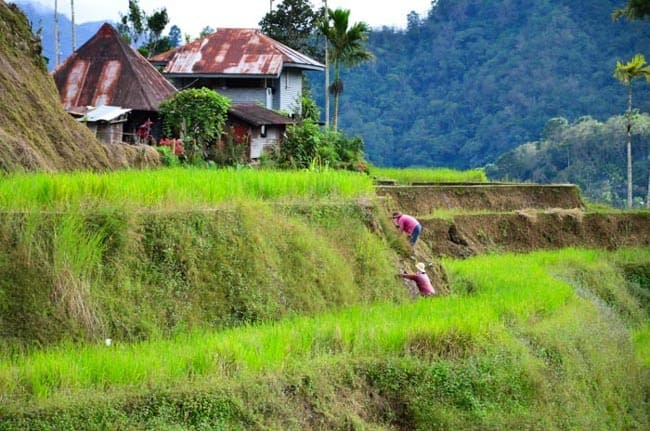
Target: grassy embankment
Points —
{"points": [[552, 350], [546, 346], [129, 255]]}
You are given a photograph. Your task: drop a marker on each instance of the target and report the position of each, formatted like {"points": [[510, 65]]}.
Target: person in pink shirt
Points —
{"points": [[421, 280], [408, 224]]}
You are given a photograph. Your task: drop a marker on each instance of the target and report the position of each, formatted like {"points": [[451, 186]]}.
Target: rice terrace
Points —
{"points": [[203, 285], [274, 302]]}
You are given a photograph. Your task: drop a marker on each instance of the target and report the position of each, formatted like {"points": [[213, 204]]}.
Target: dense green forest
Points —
{"points": [[476, 78], [587, 152]]}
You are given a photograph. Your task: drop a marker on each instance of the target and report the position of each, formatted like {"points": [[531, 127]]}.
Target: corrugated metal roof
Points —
{"points": [[257, 115], [108, 71], [233, 51], [105, 113]]}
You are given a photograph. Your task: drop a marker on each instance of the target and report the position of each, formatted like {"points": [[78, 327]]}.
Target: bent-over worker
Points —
{"points": [[409, 225], [421, 280]]}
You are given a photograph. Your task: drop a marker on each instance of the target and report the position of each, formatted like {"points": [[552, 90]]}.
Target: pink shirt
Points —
{"points": [[422, 281], [406, 223]]}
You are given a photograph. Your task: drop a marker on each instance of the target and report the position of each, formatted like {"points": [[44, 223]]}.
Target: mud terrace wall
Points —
{"points": [[424, 199], [512, 218], [469, 235]]}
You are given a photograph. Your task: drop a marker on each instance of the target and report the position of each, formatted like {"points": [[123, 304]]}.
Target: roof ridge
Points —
{"points": [[139, 85]]}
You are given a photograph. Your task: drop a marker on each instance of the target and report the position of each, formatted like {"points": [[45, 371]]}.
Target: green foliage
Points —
{"points": [[635, 9], [136, 25], [306, 146], [588, 153], [345, 152], [293, 23], [132, 24], [167, 157], [309, 107], [301, 145], [156, 24], [472, 79], [198, 117], [346, 48], [635, 68]]}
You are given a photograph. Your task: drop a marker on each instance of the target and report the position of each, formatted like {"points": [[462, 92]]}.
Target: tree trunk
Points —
{"points": [[335, 123], [327, 80], [629, 167], [56, 33], [74, 30], [629, 146], [337, 94], [647, 198]]}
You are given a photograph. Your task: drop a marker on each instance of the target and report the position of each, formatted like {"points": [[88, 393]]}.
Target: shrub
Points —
{"points": [[301, 145], [306, 146], [175, 145], [196, 115], [168, 156], [230, 151]]}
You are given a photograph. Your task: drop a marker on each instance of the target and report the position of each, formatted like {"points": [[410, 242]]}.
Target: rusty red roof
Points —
{"points": [[108, 71], [257, 115], [233, 51]]}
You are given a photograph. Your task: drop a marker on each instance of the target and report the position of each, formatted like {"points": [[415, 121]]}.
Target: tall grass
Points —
{"points": [[408, 176], [493, 295], [173, 188], [134, 275]]}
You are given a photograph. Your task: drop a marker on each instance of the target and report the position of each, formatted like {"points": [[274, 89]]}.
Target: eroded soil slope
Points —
{"points": [[527, 231], [465, 220]]}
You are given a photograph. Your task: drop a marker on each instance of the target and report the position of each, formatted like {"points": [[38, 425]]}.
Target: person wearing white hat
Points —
{"points": [[421, 280]]}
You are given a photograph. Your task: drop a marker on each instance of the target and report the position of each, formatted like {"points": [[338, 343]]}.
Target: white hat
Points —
{"points": [[420, 266]]}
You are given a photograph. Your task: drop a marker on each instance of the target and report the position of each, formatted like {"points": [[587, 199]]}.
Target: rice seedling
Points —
{"points": [[408, 176], [503, 295], [173, 189], [510, 353]]}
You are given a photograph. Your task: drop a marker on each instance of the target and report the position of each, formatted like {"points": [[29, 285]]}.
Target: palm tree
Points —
{"points": [[346, 48], [635, 68]]}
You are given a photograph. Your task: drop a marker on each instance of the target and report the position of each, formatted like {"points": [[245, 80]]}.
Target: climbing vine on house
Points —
{"points": [[197, 116]]}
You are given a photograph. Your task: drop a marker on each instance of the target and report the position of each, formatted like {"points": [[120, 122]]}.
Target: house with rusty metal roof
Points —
{"points": [[242, 64], [108, 71]]}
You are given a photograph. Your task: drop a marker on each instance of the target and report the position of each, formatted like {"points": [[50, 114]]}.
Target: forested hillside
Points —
{"points": [[476, 78], [587, 152]]}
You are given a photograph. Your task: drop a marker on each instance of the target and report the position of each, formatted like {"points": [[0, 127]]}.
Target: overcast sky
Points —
{"points": [[194, 15]]}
